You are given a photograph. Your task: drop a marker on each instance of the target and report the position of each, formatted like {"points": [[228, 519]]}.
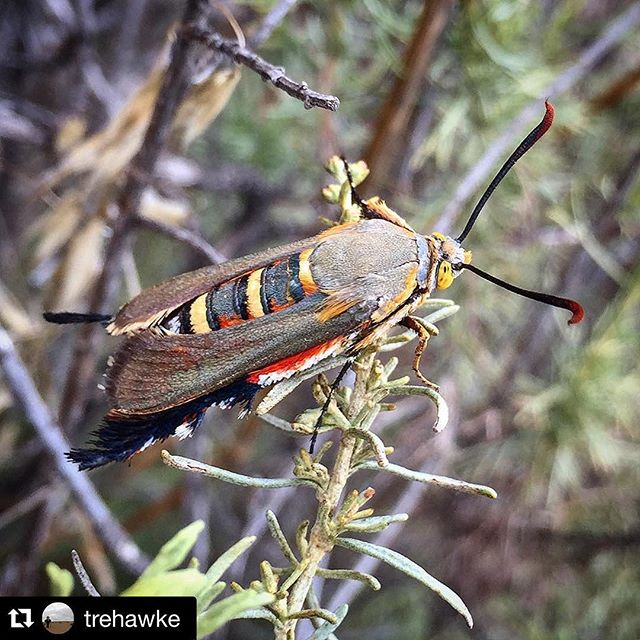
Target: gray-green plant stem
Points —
{"points": [[321, 540], [83, 575]]}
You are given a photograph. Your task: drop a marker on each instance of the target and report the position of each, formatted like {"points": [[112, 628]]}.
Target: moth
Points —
{"points": [[220, 334]]}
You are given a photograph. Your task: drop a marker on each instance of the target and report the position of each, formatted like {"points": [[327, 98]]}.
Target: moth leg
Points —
{"points": [[424, 331], [334, 385]]}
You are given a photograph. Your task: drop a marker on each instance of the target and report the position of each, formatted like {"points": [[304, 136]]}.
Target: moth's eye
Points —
{"points": [[445, 275]]}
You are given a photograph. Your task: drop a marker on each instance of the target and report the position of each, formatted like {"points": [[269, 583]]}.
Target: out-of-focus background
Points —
{"points": [[433, 95]]}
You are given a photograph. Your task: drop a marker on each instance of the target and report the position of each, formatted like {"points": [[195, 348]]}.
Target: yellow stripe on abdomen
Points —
{"points": [[198, 315], [254, 302]]}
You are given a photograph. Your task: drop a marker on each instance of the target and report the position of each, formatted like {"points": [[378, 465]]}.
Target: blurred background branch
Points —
{"points": [[28, 399]]}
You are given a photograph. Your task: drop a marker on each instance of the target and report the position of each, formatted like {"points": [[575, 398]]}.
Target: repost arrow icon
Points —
{"points": [[28, 621]]}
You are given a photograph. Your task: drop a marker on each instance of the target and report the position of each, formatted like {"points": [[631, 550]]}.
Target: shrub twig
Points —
{"points": [[83, 575], [267, 71]]}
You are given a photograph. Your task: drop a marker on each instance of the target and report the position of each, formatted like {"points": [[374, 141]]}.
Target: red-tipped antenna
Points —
{"points": [[563, 303], [521, 149]]}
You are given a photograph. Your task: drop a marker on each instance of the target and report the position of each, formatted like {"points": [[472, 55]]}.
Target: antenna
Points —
{"points": [[563, 303], [520, 150]]}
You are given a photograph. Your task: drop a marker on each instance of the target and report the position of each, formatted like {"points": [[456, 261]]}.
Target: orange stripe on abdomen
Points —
{"points": [[229, 321], [306, 277]]}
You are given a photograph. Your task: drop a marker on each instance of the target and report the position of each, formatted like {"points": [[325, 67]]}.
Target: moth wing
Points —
{"points": [[152, 371], [155, 303], [356, 285], [384, 292]]}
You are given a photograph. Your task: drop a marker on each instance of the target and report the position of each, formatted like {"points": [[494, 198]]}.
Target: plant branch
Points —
{"points": [[185, 236], [37, 413], [83, 575], [267, 71], [320, 540], [407, 502]]}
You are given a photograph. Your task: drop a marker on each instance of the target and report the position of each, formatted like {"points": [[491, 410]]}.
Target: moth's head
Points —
{"points": [[450, 256]]}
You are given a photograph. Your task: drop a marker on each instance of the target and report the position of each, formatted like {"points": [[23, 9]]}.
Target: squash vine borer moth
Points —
{"points": [[218, 335]]}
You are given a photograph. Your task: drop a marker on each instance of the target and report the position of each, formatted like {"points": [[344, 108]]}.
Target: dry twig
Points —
{"points": [[83, 575], [267, 71]]}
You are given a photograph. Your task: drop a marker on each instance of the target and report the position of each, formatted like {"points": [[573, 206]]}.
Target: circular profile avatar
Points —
{"points": [[57, 618]]}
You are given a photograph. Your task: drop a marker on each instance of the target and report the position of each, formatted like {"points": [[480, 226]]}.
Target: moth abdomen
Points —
{"points": [[252, 295]]}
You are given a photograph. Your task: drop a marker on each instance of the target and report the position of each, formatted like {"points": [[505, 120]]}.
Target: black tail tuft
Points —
{"points": [[117, 439], [66, 317], [120, 437]]}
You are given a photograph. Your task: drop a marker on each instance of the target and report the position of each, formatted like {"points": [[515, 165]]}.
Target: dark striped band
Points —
{"points": [[295, 286], [240, 297], [212, 315]]}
